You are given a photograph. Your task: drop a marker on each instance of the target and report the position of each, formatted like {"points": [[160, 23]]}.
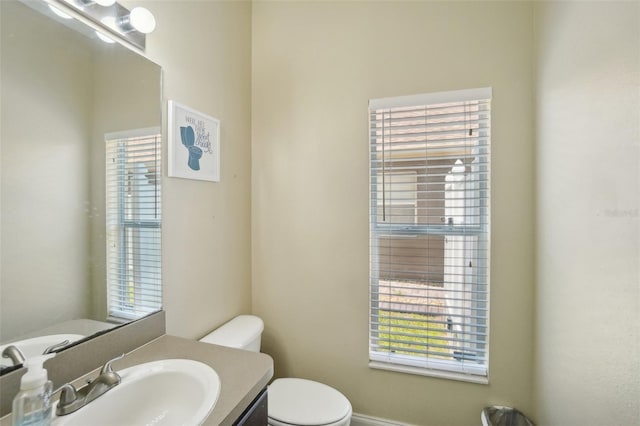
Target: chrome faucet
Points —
{"points": [[17, 357], [14, 354], [72, 399]]}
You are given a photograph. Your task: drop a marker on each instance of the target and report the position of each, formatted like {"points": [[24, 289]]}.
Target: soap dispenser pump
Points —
{"points": [[32, 404]]}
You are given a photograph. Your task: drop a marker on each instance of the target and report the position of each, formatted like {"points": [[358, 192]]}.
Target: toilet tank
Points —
{"points": [[242, 332]]}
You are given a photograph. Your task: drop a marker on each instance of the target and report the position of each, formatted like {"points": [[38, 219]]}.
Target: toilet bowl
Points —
{"points": [[292, 401], [304, 402]]}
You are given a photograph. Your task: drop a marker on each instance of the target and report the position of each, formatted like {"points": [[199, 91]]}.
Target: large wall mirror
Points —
{"points": [[80, 183]]}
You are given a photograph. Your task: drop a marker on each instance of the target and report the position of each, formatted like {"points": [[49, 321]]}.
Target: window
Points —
{"points": [[429, 233], [133, 173]]}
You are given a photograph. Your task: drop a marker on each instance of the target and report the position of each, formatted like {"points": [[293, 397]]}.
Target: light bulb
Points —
{"points": [[104, 38], [109, 21], [59, 12], [142, 20]]}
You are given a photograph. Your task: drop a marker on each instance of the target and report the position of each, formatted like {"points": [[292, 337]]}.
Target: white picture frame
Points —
{"points": [[193, 144]]}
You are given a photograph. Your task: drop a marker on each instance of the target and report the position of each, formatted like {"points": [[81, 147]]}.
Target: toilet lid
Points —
{"points": [[304, 402]]}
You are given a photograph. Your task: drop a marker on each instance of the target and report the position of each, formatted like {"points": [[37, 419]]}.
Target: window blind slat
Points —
{"points": [[444, 342]]}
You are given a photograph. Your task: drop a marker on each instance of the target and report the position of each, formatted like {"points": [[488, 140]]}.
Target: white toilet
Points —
{"points": [[291, 401]]}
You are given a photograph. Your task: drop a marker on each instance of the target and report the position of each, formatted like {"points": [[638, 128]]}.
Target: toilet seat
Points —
{"points": [[303, 402]]}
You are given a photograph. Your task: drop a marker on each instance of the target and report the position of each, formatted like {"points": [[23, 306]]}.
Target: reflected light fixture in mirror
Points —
{"points": [[105, 38], [59, 12], [111, 20], [105, 3], [85, 3]]}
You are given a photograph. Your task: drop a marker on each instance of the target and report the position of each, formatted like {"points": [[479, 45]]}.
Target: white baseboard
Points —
{"points": [[362, 420]]}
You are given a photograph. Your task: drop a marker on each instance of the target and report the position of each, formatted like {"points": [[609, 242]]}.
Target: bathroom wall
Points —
{"points": [[588, 199], [315, 66], [204, 48], [44, 151]]}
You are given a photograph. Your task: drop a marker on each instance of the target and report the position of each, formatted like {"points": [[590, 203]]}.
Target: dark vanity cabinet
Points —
{"points": [[256, 413]]}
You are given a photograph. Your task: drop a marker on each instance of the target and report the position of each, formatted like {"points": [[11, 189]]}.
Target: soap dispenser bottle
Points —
{"points": [[32, 404]]}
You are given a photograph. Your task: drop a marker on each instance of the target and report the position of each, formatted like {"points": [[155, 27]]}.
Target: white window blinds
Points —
{"points": [[429, 232], [133, 175]]}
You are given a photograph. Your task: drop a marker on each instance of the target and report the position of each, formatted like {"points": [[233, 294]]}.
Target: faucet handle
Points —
{"points": [[106, 368], [68, 394], [68, 402]]}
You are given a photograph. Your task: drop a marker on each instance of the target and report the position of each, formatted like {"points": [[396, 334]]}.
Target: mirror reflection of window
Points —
{"points": [[133, 201]]}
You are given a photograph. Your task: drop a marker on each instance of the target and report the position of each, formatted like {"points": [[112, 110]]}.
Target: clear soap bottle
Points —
{"points": [[32, 404]]}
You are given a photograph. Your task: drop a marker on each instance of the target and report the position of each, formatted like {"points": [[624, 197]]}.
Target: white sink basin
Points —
{"points": [[167, 392], [37, 345]]}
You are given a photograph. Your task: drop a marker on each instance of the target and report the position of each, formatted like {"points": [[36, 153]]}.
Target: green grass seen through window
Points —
{"points": [[396, 331]]}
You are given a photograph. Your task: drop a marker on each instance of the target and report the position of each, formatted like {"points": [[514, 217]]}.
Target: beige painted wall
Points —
{"points": [[315, 66], [204, 48], [588, 190], [45, 185]]}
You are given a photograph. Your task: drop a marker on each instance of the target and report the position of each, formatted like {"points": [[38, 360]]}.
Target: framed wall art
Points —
{"points": [[194, 144]]}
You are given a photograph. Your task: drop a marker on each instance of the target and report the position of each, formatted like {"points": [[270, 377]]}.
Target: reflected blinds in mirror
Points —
{"points": [[133, 209]]}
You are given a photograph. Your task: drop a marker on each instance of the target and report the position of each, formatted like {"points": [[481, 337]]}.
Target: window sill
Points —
{"points": [[449, 375]]}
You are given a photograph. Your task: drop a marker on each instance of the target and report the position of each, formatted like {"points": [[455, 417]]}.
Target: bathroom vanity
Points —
{"points": [[243, 375]]}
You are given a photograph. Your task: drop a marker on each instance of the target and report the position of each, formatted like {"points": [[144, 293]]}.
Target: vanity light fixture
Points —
{"points": [[110, 19]]}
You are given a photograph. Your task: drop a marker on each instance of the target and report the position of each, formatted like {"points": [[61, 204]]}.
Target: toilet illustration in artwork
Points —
{"points": [[188, 137]]}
